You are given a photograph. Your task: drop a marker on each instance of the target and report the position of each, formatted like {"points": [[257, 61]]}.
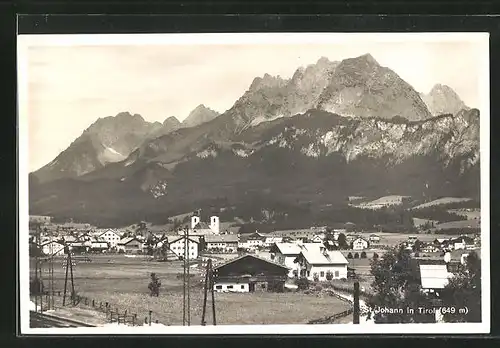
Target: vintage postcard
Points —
{"points": [[332, 183]]}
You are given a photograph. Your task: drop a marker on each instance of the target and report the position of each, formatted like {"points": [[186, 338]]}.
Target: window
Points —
{"points": [[263, 286], [308, 273], [322, 274], [243, 286], [229, 286], [337, 274], [218, 287]]}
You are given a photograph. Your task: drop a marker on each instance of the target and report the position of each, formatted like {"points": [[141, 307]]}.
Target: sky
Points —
{"points": [[68, 87]]}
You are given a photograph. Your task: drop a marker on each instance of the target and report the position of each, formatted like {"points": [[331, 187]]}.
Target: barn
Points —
{"points": [[249, 273]]}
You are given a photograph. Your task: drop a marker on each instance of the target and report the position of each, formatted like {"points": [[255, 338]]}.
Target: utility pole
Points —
{"points": [[209, 283], [184, 282], [188, 280], [356, 308]]}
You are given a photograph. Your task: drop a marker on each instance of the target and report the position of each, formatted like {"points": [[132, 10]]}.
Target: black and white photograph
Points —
{"points": [[284, 183]]}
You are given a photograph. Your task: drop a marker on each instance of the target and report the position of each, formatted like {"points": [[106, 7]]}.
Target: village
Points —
{"points": [[318, 254]]}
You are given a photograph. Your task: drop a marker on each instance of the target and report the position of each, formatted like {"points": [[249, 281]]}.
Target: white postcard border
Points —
{"points": [[25, 41]]}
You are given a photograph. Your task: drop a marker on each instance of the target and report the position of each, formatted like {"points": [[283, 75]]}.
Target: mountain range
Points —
{"points": [[331, 130]]}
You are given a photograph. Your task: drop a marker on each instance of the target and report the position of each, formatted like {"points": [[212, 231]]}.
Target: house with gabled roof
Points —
{"points": [[317, 263], [249, 273]]}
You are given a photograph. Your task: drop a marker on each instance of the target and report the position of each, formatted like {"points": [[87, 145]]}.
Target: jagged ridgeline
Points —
{"points": [[333, 130]]}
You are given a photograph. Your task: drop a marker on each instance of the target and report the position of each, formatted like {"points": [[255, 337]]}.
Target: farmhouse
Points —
{"points": [[130, 245], [226, 243], [110, 236], [251, 241], [374, 238], [360, 244], [269, 241], [249, 273], [177, 244], [319, 263]]}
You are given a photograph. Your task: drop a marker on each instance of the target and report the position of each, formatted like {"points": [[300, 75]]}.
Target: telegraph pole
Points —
{"points": [[184, 282], [188, 280], [356, 308], [209, 283]]}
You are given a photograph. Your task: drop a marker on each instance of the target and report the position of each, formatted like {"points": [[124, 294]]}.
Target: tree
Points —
{"points": [[356, 256], [154, 285], [464, 291], [417, 246], [375, 256], [363, 255], [349, 256], [397, 286], [316, 277], [342, 241]]}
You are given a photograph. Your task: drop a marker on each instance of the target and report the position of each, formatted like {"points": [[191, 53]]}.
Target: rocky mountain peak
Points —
{"points": [[199, 115], [442, 99], [172, 120]]}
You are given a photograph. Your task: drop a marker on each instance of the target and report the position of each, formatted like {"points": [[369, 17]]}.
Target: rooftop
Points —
{"points": [[221, 238], [434, 276]]}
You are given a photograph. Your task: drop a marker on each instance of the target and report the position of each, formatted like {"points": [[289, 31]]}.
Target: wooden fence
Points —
{"points": [[330, 319], [113, 314]]}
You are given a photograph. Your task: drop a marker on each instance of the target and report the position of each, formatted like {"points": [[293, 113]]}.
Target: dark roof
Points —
{"points": [[253, 256]]}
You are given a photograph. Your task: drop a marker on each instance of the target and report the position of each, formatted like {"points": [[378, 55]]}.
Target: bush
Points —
{"points": [[154, 285], [363, 255], [329, 275], [302, 283], [375, 256], [318, 287], [349, 256], [356, 256]]}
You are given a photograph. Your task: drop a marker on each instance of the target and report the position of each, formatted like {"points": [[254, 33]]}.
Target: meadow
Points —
{"points": [[122, 282]]}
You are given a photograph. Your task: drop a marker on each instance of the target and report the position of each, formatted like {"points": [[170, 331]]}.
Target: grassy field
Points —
{"points": [[444, 200], [123, 283]]}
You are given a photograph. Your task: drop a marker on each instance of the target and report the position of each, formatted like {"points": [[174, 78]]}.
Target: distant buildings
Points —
{"points": [[177, 246], [111, 237], [130, 245], [200, 228]]}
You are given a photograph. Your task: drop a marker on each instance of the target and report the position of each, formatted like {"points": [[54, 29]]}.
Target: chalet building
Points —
{"points": [[251, 241], [177, 245], [317, 238], [286, 253], [130, 245], [249, 273], [110, 236], [319, 263], [225, 243], [360, 244]]}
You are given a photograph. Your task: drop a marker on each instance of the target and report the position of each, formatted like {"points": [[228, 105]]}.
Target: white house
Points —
{"points": [[99, 244], [459, 245], [287, 253], [269, 241], [53, 248], [177, 244], [224, 243], [360, 244], [110, 236], [251, 241], [374, 238], [319, 263], [317, 238]]}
